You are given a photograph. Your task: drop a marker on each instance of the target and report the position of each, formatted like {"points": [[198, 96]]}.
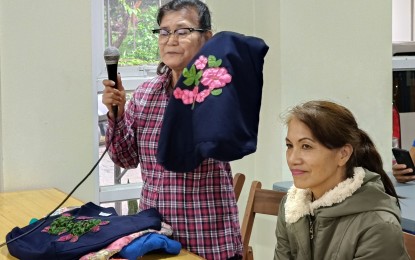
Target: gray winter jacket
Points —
{"points": [[354, 220]]}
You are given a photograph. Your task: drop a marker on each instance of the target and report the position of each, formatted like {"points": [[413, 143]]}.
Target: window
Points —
{"points": [[126, 25], [129, 29]]}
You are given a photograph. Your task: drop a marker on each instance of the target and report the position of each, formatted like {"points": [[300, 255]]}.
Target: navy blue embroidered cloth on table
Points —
{"points": [[225, 126], [42, 245]]}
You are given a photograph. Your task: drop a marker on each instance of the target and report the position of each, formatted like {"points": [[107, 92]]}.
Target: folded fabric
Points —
{"points": [[116, 246], [150, 242], [214, 110], [77, 232]]}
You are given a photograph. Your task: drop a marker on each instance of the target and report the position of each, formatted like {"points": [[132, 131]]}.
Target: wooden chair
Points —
{"points": [[238, 183], [259, 201], [409, 244]]}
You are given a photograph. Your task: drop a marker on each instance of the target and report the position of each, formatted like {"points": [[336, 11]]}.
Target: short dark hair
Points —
{"points": [[177, 5], [199, 6]]}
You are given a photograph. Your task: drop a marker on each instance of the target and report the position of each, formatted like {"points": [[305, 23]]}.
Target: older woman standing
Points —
{"points": [[200, 205], [342, 205]]}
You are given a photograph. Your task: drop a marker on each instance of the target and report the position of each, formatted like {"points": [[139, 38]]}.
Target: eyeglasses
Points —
{"points": [[180, 33]]}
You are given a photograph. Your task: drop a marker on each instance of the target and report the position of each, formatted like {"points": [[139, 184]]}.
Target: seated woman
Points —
{"points": [[342, 204]]}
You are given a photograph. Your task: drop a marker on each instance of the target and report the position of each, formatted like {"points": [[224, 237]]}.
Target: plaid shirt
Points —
{"points": [[200, 205]]}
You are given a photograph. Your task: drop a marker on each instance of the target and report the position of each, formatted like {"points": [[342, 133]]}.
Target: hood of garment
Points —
{"points": [[365, 186]]}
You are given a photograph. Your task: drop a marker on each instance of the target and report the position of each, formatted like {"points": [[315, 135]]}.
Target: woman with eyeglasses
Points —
{"points": [[200, 205]]}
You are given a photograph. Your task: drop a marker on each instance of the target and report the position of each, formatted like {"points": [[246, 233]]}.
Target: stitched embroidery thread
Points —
{"points": [[74, 227], [212, 77]]}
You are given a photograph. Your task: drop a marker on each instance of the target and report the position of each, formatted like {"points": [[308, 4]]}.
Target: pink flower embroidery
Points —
{"points": [[200, 97], [201, 62], [46, 229], [205, 71], [187, 97], [74, 239], [95, 229], [178, 93], [65, 238], [216, 78], [83, 217], [104, 222]]}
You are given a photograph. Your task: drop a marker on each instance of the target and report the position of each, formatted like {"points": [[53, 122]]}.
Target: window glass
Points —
{"points": [[404, 90], [127, 26], [129, 29]]}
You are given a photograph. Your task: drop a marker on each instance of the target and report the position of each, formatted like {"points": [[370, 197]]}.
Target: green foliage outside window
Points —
{"points": [[130, 30]]}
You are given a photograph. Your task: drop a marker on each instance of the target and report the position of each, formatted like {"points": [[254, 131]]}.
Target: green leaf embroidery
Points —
{"points": [[188, 82], [186, 72], [192, 70], [213, 63], [61, 225], [191, 76], [198, 76], [68, 224], [216, 92], [84, 226]]}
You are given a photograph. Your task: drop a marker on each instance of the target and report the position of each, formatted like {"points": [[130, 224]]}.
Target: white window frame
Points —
{"points": [[132, 77]]}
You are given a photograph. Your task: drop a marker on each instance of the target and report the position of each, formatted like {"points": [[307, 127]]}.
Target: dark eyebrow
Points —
{"points": [[179, 25], [302, 139], [306, 138]]}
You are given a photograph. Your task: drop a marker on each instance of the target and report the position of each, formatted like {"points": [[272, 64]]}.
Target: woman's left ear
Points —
{"points": [[208, 35], [345, 154]]}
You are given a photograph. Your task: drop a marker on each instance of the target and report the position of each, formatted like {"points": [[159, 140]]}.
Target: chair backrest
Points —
{"points": [[238, 183], [409, 244], [261, 201]]}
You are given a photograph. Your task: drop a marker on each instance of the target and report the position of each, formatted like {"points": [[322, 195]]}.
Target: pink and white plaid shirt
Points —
{"points": [[200, 205]]}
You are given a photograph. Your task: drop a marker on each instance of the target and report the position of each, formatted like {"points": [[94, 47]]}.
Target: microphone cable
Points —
{"points": [[111, 57], [69, 195]]}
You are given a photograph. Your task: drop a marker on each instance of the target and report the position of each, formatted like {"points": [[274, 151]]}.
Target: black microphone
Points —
{"points": [[111, 57]]}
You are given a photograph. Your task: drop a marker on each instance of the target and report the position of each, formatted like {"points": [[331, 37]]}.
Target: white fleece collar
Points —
{"points": [[298, 203]]}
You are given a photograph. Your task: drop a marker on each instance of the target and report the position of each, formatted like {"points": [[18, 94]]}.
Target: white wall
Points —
{"points": [[47, 105], [1, 128], [401, 20], [332, 49], [343, 54]]}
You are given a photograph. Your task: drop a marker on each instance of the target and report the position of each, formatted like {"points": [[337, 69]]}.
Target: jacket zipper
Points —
{"points": [[311, 230], [311, 227]]}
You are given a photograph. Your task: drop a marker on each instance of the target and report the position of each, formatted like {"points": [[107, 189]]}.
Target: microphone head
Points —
{"points": [[111, 55]]}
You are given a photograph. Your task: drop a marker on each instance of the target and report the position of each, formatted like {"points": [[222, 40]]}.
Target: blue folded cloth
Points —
{"points": [[150, 242]]}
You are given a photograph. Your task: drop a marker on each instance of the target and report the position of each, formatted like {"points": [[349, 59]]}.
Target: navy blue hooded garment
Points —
{"points": [[42, 245], [214, 112]]}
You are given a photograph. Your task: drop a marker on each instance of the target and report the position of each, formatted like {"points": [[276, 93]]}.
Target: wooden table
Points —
{"points": [[18, 208]]}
